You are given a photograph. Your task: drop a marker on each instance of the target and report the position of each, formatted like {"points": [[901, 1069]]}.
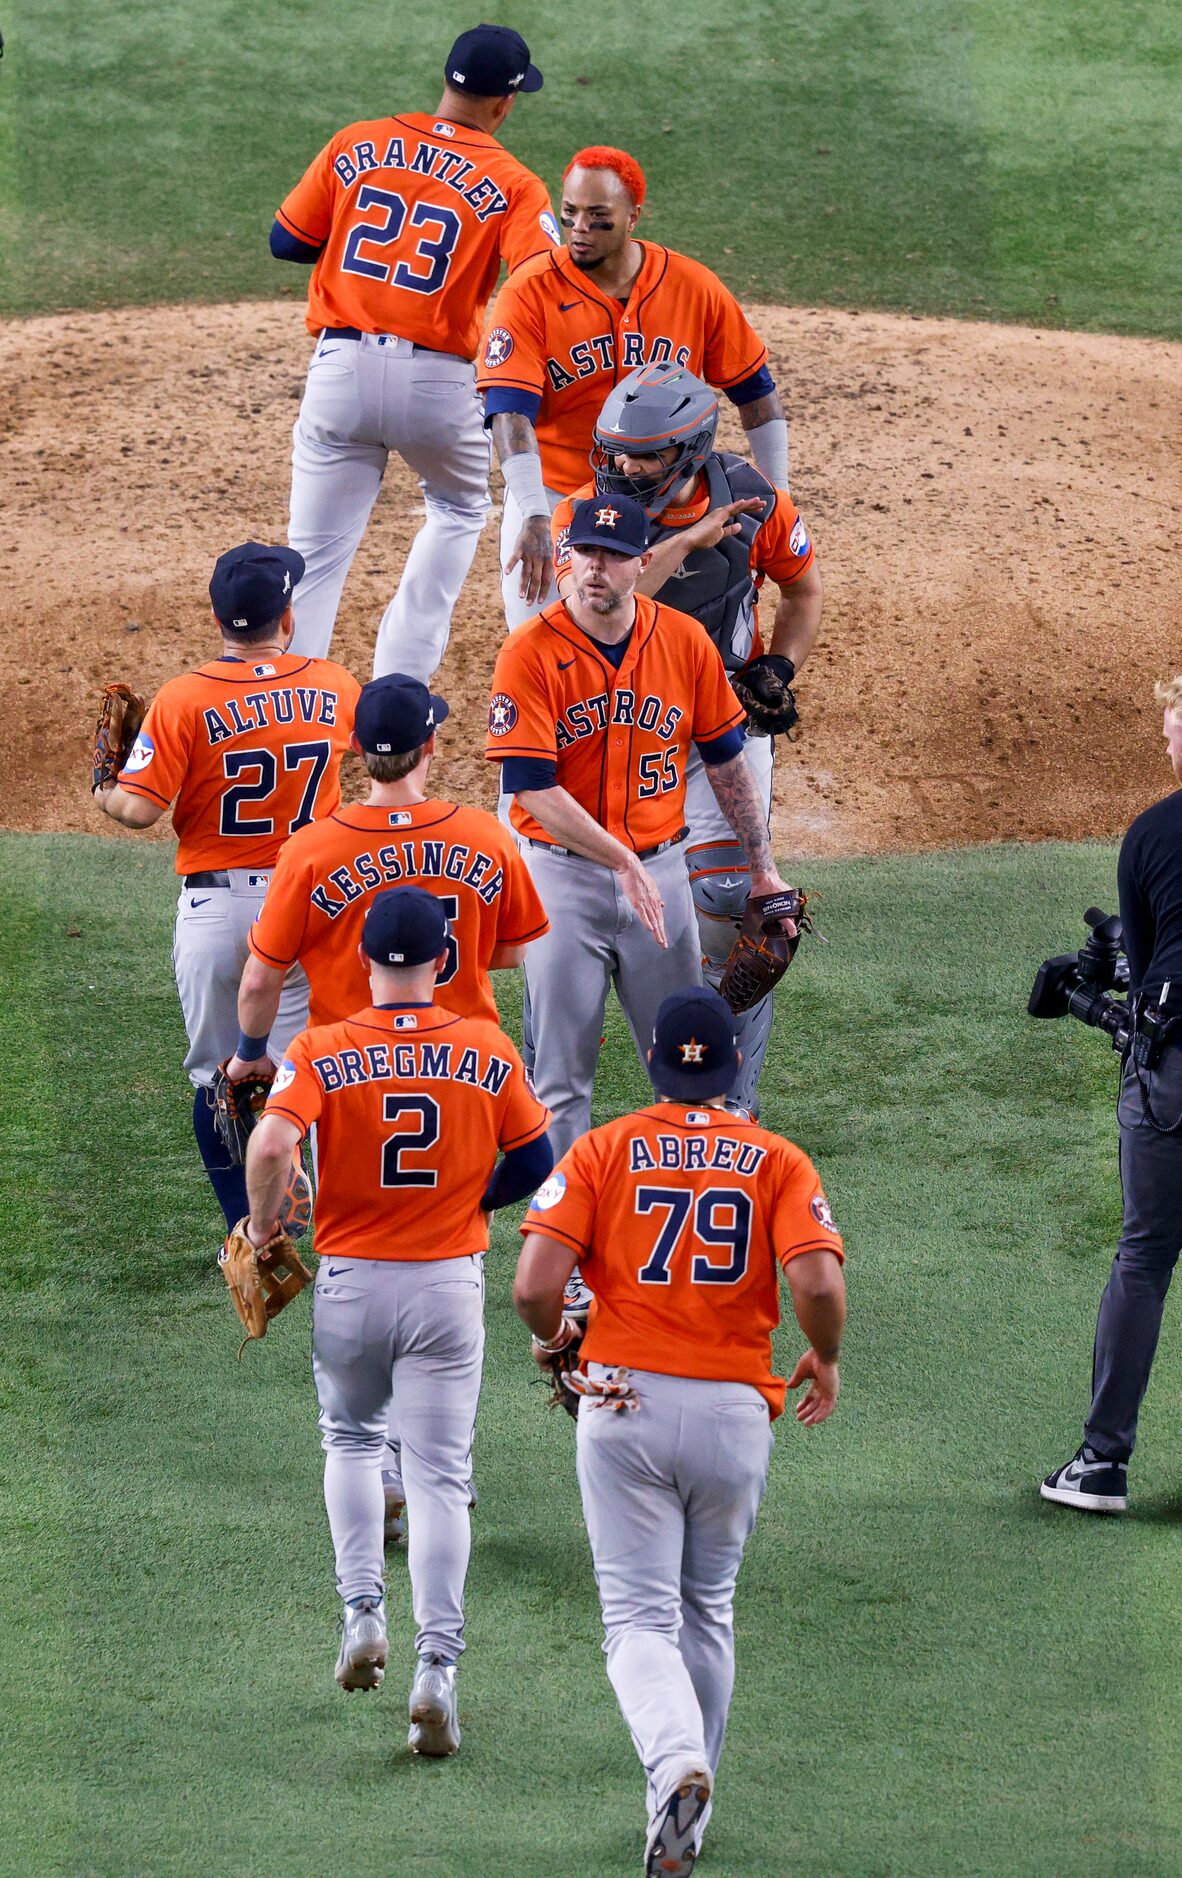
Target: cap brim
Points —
{"points": [[441, 708], [292, 561], [605, 541], [532, 80], [695, 1085]]}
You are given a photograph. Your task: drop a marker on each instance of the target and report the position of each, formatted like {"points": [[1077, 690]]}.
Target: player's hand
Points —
{"points": [[820, 1398], [770, 882], [238, 1067], [644, 897], [534, 550], [259, 1235], [720, 522]]}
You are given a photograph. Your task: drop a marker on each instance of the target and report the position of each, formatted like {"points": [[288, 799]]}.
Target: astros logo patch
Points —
{"points": [[500, 345], [821, 1212], [693, 1051], [549, 1193], [606, 518], [140, 755], [502, 715]]}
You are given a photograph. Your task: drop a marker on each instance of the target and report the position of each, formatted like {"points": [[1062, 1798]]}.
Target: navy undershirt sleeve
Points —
{"points": [[721, 749], [521, 1171], [528, 772], [288, 247], [759, 385], [509, 398]]}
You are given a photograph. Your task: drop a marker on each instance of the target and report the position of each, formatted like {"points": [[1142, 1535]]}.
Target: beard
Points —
{"points": [[601, 603], [584, 267]]}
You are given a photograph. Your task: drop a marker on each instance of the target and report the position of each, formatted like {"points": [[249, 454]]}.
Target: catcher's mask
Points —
{"points": [[656, 407]]}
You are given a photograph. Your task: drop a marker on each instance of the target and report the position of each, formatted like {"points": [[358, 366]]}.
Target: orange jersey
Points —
{"points": [[556, 336], [249, 753], [416, 215], [328, 874], [620, 738], [411, 1105], [680, 1218]]}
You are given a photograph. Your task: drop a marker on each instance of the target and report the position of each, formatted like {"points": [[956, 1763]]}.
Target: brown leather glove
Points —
{"points": [[121, 712], [262, 1279], [763, 951]]}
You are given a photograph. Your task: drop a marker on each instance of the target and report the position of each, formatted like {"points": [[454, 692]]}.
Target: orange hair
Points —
{"points": [[603, 156]]}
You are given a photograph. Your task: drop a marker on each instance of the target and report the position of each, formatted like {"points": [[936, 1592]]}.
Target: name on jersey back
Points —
{"points": [[443, 166]]}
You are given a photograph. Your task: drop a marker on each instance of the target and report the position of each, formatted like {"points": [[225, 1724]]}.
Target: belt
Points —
{"points": [[642, 854], [354, 332], [205, 880]]}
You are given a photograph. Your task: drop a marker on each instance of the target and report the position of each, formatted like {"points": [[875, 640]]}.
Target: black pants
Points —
{"points": [[1151, 1237]]}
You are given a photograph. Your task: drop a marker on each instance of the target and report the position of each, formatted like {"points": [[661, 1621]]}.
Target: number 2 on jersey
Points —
{"points": [[408, 1139], [436, 254], [722, 1217]]}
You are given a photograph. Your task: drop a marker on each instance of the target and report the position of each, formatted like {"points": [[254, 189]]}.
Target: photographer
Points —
{"points": [[1149, 878]]}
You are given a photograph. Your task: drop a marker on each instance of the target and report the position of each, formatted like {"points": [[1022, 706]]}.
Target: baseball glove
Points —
{"points": [[763, 951], [262, 1279], [237, 1107], [764, 689], [121, 713], [558, 1365]]}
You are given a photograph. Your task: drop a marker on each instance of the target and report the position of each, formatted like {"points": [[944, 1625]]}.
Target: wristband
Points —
{"points": [[566, 1334], [523, 479], [769, 447], [251, 1048]]}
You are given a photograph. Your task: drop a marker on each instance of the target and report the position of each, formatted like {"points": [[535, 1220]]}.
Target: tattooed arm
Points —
{"points": [[738, 798], [521, 466]]}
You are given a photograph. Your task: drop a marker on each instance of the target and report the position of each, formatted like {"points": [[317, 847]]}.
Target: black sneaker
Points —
{"points": [[1089, 1481]]}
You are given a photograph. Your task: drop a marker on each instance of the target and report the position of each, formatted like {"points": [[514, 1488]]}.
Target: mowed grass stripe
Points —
{"points": [[931, 1662], [995, 160]]}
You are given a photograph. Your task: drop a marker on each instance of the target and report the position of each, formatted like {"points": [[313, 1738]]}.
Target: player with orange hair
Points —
{"points": [[569, 323]]}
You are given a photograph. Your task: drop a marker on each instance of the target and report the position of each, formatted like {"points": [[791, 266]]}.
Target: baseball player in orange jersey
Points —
{"points": [[717, 529], [248, 748], [327, 877], [407, 221], [568, 324], [411, 1104], [595, 705], [680, 1217]]}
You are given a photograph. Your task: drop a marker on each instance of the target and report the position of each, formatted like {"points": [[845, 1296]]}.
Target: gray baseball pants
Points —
{"points": [[411, 1330], [363, 398], [209, 950], [670, 1495], [1134, 1298], [596, 940]]}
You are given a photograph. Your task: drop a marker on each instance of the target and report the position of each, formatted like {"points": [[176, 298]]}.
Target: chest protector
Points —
{"points": [[714, 585]]}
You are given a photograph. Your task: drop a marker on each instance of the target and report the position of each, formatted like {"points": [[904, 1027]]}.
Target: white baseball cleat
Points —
{"points": [[434, 1724], [364, 1648], [675, 1837]]}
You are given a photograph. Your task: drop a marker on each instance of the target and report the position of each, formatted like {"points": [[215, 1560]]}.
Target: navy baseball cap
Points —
{"points": [[491, 61], [252, 585], [396, 714], [608, 522], [694, 1055], [405, 926]]}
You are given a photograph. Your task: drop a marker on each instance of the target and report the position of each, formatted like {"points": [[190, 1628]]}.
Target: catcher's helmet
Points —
{"points": [[656, 407]]}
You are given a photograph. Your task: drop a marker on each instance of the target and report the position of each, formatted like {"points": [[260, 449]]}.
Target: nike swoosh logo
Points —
{"points": [[204, 902], [565, 667], [567, 307], [337, 1271], [327, 351]]}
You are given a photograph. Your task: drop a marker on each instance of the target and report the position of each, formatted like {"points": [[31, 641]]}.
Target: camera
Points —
{"points": [[1081, 985]]}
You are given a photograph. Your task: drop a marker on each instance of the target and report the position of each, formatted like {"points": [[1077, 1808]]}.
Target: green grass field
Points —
{"points": [[973, 157], [938, 1674]]}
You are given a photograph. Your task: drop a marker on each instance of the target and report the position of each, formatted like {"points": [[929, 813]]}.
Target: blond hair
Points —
{"points": [[1169, 694]]}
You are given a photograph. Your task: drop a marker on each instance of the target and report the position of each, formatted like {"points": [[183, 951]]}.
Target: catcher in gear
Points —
{"points": [[718, 529]]}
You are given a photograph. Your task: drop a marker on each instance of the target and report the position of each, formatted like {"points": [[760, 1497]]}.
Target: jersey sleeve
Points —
{"points": [[522, 719], [522, 1117], [782, 548], [159, 759], [520, 914], [716, 708], [801, 1218], [530, 227], [296, 1092], [277, 935], [563, 1207], [307, 211], [514, 353], [560, 522], [734, 350]]}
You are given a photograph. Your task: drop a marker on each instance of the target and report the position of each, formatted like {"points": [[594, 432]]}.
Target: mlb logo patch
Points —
{"points": [[399, 818], [407, 1022]]}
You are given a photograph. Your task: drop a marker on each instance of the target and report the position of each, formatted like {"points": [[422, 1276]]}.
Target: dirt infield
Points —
{"points": [[996, 513]]}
